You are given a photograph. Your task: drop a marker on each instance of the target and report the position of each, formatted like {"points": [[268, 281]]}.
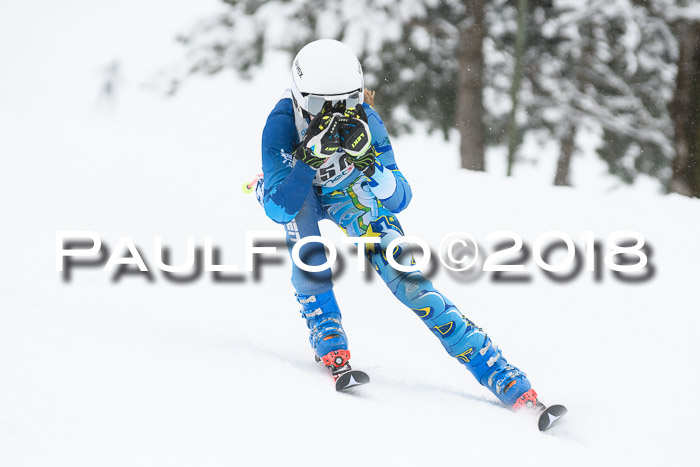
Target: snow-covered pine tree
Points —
{"points": [[627, 83], [423, 57], [605, 64]]}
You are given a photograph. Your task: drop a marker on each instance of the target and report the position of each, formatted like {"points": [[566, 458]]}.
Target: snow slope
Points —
{"points": [[95, 372]]}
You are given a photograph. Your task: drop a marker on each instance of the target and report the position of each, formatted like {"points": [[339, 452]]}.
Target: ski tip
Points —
{"points": [[351, 379], [551, 416]]}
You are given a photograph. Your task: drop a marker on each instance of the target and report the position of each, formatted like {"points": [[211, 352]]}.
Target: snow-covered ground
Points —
{"points": [[95, 372]]}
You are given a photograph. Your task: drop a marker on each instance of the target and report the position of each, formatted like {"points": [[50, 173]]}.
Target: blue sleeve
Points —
{"points": [[388, 183], [287, 184]]}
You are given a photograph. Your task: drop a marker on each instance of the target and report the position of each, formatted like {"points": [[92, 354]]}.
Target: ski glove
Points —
{"points": [[365, 162], [355, 137], [321, 140]]}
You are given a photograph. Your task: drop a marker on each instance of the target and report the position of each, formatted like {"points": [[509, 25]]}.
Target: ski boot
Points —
{"points": [[489, 367], [323, 320], [328, 339], [508, 383]]}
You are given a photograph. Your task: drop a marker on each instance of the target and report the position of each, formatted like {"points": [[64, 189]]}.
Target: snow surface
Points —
{"points": [[156, 373]]}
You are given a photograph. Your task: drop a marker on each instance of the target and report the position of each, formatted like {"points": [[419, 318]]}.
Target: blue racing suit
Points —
{"points": [[299, 196]]}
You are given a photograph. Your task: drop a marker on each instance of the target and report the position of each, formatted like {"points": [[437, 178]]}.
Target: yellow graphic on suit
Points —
{"points": [[371, 247], [464, 356], [445, 329], [426, 312]]}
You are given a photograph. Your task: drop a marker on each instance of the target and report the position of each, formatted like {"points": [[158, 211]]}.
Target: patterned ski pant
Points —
{"points": [[360, 214]]}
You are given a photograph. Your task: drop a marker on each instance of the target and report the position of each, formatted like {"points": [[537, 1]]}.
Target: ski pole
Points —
{"points": [[249, 187]]}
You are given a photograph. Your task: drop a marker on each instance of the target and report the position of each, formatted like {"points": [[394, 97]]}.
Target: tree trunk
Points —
{"points": [[520, 38], [470, 107], [685, 112], [566, 151]]}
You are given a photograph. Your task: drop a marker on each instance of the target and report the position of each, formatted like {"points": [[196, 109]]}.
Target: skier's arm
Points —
{"points": [[387, 183], [286, 187]]}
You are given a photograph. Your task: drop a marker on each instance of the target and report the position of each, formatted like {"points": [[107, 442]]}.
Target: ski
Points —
{"points": [[350, 379], [550, 416], [338, 363]]}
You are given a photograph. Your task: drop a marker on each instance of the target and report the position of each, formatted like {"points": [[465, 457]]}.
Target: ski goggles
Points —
{"points": [[315, 103]]}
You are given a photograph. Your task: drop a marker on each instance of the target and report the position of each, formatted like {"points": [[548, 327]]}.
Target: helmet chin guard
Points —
{"points": [[326, 70]]}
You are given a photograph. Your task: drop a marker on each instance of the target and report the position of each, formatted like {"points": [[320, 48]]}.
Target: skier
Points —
{"points": [[326, 155]]}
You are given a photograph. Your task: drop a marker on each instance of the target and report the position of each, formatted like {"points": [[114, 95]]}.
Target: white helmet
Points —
{"points": [[326, 70]]}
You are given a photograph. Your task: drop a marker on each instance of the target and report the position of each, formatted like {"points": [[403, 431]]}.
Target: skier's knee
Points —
{"points": [[411, 287]]}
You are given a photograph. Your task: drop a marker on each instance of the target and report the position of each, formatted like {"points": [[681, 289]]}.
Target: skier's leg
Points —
{"points": [[460, 337], [360, 214], [314, 290]]}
